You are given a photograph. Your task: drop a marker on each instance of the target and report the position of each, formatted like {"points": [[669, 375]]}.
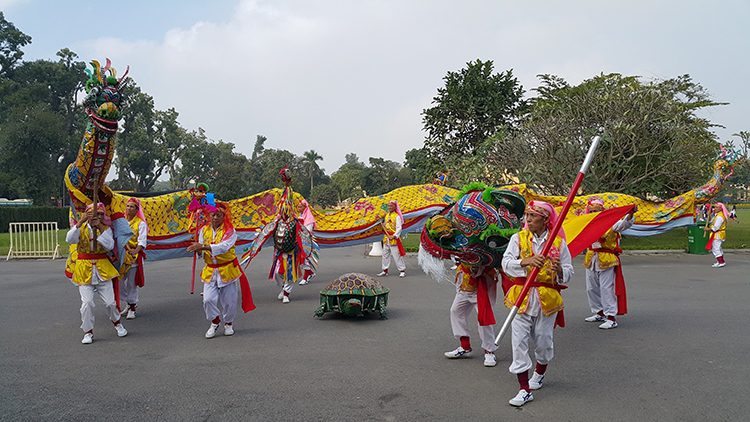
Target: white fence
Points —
{"points": [[33, 240]]}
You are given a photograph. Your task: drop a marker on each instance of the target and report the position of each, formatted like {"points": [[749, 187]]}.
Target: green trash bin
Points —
{"points": [[696, 241]]}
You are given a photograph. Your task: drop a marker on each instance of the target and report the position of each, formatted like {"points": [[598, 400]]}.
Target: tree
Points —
{"points": [[382, 176], [324, 195], [421, 168], [258, 148], [309, 161], [351, 158], [41, 125], [349, 178], [652, 140], [474, 104], [11, 42], [30, 141], [232, 179]]}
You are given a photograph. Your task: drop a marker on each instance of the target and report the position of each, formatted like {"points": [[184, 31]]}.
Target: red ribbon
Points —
{"points": [[484, 308], [622, 298]]}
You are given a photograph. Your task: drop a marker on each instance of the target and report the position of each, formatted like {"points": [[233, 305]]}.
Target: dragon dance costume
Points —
{"points": [[295, 248]]}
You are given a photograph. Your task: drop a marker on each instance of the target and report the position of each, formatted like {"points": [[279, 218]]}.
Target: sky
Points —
{"points": [[345, 76]]}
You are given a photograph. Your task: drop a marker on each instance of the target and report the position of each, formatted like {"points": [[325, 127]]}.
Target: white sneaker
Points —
{"points": [[521, 398], [458, 353], [383, 274], [88, 338], [281, 295], [228, 329], [125, 310], [719, 265], [402, 274], [608, 324], [121, 331], [285, 299], [595, 318], [536, 380], [489, 359], [131, 314], [303, 282], [212, 330]]}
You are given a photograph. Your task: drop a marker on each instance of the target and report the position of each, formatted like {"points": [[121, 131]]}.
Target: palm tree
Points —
{"points": [[309, 160]]}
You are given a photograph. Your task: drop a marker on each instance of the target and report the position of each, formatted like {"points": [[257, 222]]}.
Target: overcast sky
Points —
{"points": [[342, 76]]}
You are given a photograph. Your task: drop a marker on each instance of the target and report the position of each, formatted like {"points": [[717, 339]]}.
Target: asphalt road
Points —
{"points": [[679, 355]]}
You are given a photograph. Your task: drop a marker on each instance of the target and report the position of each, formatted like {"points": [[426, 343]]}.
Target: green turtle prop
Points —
{"points": [[353, 293]]}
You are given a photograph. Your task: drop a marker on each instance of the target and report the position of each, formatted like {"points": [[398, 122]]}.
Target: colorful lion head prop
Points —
{"points": [[475, 230]]}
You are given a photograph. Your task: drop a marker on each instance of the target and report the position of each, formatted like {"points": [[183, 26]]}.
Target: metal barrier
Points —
{"points": [[33, 240]]}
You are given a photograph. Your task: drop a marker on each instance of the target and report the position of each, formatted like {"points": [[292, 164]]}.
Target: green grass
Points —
{"points": [[5, 243]]}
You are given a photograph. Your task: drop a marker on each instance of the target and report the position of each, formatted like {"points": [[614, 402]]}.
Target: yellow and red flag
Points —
{"points": [[583, 230]]}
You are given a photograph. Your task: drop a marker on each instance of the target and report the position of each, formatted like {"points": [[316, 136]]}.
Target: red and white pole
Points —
{"points": [[555, 229]]}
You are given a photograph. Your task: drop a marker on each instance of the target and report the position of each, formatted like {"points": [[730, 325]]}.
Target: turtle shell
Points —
{"points": [[355, 284]]}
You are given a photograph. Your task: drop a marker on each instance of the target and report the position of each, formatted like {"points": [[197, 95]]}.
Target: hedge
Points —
{"points": [[39, 214]]}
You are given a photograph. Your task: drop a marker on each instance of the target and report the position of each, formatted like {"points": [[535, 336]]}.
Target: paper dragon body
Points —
{"points": [[169, 217]]}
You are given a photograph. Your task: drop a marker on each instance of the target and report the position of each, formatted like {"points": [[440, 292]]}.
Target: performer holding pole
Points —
{"points": [[392, 224], [718, 231], [222, 272], [131, 270], [543, 224]]}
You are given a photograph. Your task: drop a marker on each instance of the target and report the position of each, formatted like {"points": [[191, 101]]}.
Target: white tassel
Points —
{"points": [[434, 266]]}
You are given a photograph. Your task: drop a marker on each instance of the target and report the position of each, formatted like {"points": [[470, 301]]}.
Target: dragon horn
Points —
{"points": [[95, 64], [123, 76]]}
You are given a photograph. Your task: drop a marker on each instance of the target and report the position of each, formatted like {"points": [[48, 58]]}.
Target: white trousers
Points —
{"points": [[129, 291], [106, 293], [539, 329], [716, 248], [212, 294], [392, 250], [600, 288], [463, 304], [285, 285]]}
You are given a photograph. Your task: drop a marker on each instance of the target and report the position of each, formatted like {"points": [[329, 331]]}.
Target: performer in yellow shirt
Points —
{"points": [[543, 305], [93, 272], [605, 284], [132, 263], [392, 223], [216, 243], [718, 231]]}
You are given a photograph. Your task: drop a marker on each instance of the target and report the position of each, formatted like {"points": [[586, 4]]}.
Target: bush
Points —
{"points": [[33, 214]]}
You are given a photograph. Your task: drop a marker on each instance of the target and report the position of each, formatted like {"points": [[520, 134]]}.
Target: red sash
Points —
{"points": [[139, 277], [401, 250], [247, 296], [560, 318], [484, 308], [622, 298], [92, 256], [710, 241]]}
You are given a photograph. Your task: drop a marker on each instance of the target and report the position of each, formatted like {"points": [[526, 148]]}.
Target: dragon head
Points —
{"points": [[475, 229], [103, 101]]}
